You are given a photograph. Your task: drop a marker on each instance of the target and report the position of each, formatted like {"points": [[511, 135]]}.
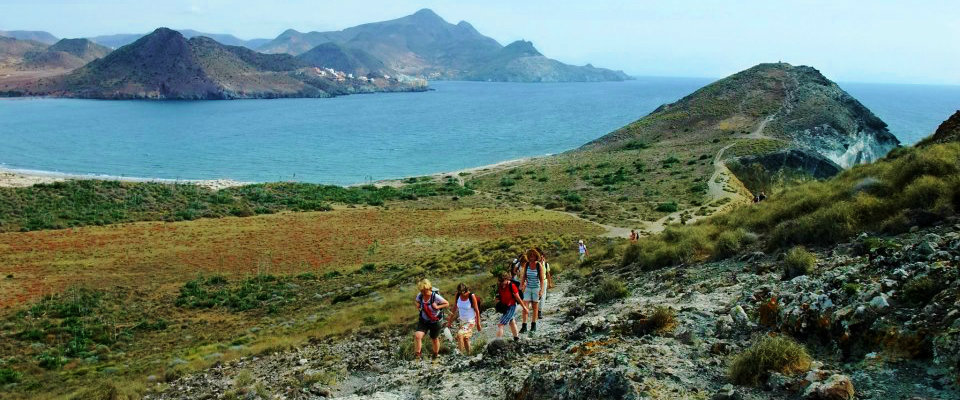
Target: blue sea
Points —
{"points": [[361, 138]]}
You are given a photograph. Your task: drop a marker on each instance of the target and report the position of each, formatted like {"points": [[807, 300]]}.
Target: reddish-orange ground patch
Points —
{"points": [[159, 256]]}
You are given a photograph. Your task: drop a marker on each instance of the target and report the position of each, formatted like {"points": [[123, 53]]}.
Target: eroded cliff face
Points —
{"points": [[819, 115], [847, 149]]}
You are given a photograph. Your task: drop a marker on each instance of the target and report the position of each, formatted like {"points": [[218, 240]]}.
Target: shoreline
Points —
{"points": [[17, 178]]}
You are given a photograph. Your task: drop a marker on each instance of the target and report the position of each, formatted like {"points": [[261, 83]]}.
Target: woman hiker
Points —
{"points": [[533, 284], [582, 249], [467, 310], [508, 296], [430, 306]]}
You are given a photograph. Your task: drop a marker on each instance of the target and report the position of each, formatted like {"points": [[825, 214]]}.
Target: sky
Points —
{"points": [[849, 41]]}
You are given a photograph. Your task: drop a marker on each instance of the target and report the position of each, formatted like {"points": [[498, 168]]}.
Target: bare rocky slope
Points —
{"points": [[948, 131], [855, 312]]}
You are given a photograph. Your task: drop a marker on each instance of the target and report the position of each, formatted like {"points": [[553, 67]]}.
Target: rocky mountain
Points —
{"points": [[12, 50], [65, 54], [948, 131], [521, 62], [424, 44], [346, 59], [120, 40], [779, 101], [36, 36], [166, 65]]}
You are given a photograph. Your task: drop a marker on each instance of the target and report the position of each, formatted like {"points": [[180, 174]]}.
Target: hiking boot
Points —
{"points": [[540, 315], [533, 327], [523, 328]]}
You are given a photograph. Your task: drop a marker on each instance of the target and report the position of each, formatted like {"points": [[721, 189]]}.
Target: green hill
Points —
{"points": [[773, 125], [65, 54]]}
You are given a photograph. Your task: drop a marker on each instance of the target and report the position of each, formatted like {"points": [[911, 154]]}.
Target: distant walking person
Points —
{"points": [[582, 249], [763, 196], [547, 279], [467, 310], [533, 285], [430, 306], [634, 236], [508, 296]]}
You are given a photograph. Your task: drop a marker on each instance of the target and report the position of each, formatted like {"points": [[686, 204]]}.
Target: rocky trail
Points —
{"points": [[588, 350]]}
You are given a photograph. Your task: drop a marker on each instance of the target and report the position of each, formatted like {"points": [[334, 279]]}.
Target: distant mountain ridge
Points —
{"points": [[65, 54], [424, 44], [166, 65], [36, 36], [123, 39]]}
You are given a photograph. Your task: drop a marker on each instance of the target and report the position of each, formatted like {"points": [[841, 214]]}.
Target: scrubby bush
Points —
{"points": [[609, 290], [798, 261], [768, 354], [670, 206], [8, 376], [663, 319], [631, 255], [920, 290], [729, 243]]}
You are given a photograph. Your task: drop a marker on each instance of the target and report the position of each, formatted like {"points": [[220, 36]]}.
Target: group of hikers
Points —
{"points": [[524, 284], [759, 197]]}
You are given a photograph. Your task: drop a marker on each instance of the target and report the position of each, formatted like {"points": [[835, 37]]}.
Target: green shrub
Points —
{"points": [[729, 243], [798, 261], [507, 182], [609, 290], [669, 207], [920, 290], [768, 354], [8, 376], [631, 255]]}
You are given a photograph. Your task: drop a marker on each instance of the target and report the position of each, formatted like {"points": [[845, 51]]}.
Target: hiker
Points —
{"points": [[533, 284], [763, 196], [582, 248], [467, 310], [547, 278], [508, 296], [756, 198], [634, 236], [430, 306]]}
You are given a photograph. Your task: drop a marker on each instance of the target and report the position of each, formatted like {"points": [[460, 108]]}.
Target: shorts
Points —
{"points": [[508, 316], [531, 294], [433, 328], [466, 329]]}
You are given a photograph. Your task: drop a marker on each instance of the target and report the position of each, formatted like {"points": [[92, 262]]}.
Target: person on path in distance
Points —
{"points": [[533, 285], [634, 236], [430, 306], [508, 297], [582, 249], [467, 310]]}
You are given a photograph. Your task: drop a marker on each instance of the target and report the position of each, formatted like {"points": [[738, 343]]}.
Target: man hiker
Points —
{"points": [[533, 284], [634, 236], [430, 306], [467, 310], [508, 296], [582, 249]]}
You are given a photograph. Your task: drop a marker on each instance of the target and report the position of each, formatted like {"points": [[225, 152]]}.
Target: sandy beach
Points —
{"points": [[21, 178]]}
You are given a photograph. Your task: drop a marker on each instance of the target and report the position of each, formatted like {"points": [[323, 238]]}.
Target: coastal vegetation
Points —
{"points": [[93, 202]]}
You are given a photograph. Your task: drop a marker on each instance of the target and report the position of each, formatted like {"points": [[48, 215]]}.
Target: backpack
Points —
{"points": [[433, 296]]}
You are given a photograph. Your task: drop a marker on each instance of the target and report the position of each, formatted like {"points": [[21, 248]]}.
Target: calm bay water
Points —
{"points": [[354, 139]]}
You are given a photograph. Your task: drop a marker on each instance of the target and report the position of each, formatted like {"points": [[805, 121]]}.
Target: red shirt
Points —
{"points": [[507, 293]]}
